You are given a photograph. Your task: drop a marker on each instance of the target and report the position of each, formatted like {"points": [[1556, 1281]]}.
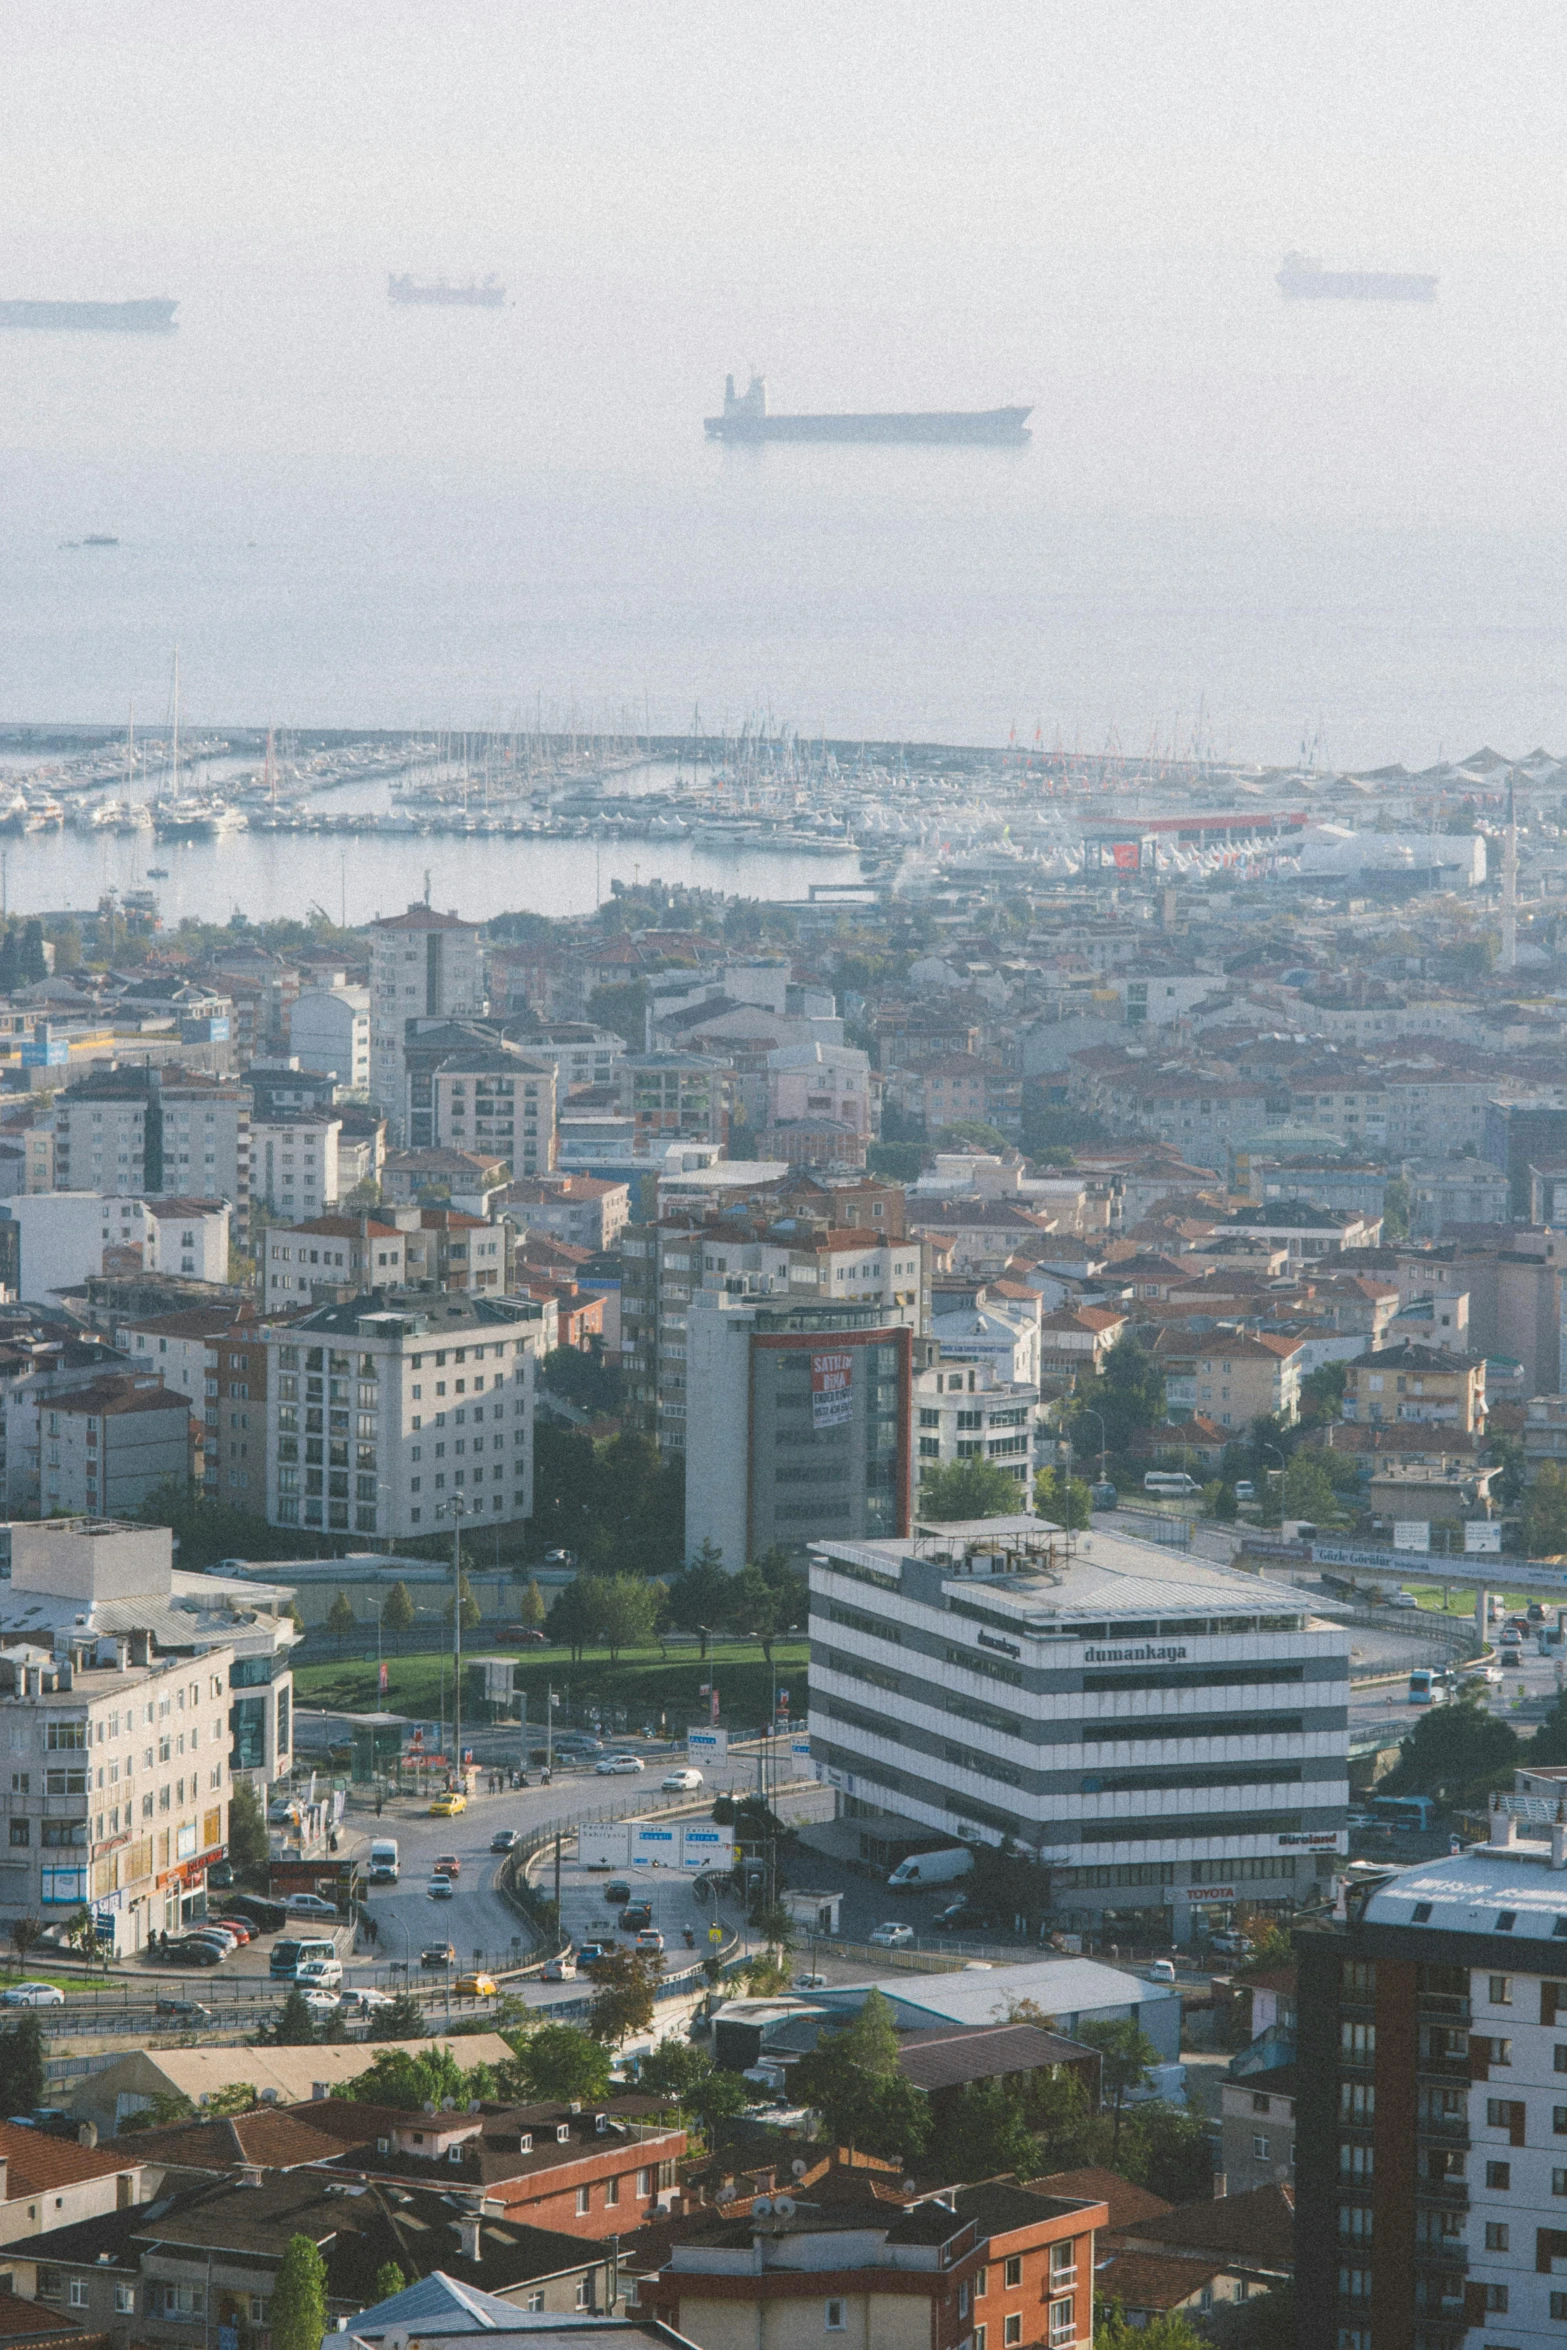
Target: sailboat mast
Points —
{"points": [[174, 745]]}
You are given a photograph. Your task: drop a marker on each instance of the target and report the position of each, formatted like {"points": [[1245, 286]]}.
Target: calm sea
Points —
{"points": [[1240, 521]]}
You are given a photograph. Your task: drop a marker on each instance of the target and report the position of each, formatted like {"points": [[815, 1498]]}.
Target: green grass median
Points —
{"points": [[644, 1683]]}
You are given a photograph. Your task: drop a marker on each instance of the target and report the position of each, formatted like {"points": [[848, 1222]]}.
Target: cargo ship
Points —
{"points": [[100, 318], [1303, 279], [475, 294], [745, 418]]}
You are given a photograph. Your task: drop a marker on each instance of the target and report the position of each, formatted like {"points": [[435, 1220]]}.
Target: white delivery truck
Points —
{"points": [[383, 1861], [930, 1868]]}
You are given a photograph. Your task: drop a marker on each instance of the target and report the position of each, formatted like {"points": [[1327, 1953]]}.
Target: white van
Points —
{"points": [[383, 1861], [320, 1974], [1170, 1481]]}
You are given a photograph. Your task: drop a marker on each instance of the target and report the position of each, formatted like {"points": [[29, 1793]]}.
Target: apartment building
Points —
{"points": [[293, 1161], [1257, 2127], [670, 1094], [494, 1097], [1242, 1376], [966, 1412], [577, 1208], [104, 1450], [994, 2264], [401, 1412], [1416, 1383], [1169, 1737], [423, 965], [798, 1423], [235, 1397], [329, 1030], [580, 1054], [1429, 2113], [330, 1254]]}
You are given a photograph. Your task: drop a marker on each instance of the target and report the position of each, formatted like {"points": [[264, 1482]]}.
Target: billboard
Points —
{"points": [[832, 1401], [1481, 1535], [704, 1744], [1411, 1533]]}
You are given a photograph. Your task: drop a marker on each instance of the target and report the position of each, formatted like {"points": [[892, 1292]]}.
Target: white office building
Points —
{"points": [[293, 1164], [1167, 1736], [964, 1412], [400, 1412]]}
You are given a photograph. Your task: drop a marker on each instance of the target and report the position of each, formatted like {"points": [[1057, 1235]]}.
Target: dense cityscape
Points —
{"points": [[1017, 1395]]}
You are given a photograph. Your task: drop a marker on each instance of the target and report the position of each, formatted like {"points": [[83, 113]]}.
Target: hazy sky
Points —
{"points": [[683, 132]]}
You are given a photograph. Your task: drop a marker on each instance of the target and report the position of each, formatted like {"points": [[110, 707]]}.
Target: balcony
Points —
{"points": [[1448, 2259], [1441, 2068], [1449, 2194], [1442, 2131], [1446, 2006]]}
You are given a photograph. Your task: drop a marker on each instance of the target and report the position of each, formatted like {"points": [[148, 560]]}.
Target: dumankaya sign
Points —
{"points": [[1133, 1656]]}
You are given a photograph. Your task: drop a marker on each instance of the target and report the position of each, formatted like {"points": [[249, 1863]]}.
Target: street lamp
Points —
{"points": [[1089, 1413], [458, 1508]]}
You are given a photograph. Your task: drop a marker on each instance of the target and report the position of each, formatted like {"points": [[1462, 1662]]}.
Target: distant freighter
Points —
{"points": [[104, 318], [471, 296], [746, 419], [1303, 279]]}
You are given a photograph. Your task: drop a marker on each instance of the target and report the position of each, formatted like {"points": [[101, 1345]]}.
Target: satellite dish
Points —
{"points": [[799, 2167], [907, 2187], [761, 2208], [724, 2195], [784, 2206]]}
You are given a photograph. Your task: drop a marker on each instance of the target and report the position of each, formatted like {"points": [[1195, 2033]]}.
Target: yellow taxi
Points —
{"points": [[446, 1807], [475, 1986]]}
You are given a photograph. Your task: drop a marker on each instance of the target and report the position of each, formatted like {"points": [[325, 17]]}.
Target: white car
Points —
{"points": [[440, 1889], [323, 2002], [891, 1937], [680, 1782], [1401, 1599], [560, 1970], [366, 2002], [615, 1766], [810, 1982], [32, 1995]]}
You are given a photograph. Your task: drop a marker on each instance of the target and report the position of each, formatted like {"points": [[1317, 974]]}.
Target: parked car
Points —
{"points": [[1245, 1490], [437, 1954], [441, 1889], [613, 1766], [190, 1953], [962, 1917], [810, 1982], [635, 1916], [617, 1892], [310, 1905], [503, 1839], [649, 1942], [1401, 1599], [560, 1558], [446, 1807], [29, 1994], [1159, 1970], [221, 1875], [527, 1636], [475, 1985], [892, 1936], [560, 1970], [448, 1865], [242, 1929], [1230, 1945], [681, 1782], [208, 1930]]}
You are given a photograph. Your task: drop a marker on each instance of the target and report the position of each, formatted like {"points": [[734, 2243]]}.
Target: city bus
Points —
{"points": [[1404, 1811], [1429, 1688]]}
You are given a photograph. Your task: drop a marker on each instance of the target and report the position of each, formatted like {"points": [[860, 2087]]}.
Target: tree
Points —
{"points": [[1455, 1752], [295, 2026], [249, 1844], [533, 1610], [472, 1616], [1308, 1489], [625, 1613], [1168, 2151], [986, 2132], [758, 1608], [702, 1599], [1128, 1394], [573, 1617], [968, 1489], [1545, 1516], [870, 2038], [1321, 1394], [1219, 1502], [558, 2063], [852, 2080], [1395, 1209], [10, 961], [389, 2280], [22, 2054], [24, 1932], [340, 1615], [622, 2000], [688, 2077], [233, 2097], [398, 1613], [1066, 1501], [1111, 2332], [1007, 1883], [35, 964], [402, 2019], [1125, 2054], [408, 2079], [296, 2315], [162, 2109]]}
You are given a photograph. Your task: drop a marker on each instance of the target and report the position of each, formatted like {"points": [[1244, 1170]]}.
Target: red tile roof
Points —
{"points": [[1093, 2185]]}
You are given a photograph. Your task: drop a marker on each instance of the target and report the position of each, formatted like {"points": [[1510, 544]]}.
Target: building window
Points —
{"points": [[77, 2295], [1062, 2327], [124, 2300], [1012, 2276], [1012, 2328], [833, 2318], [1502, 1993], [1495, 2300], [1500, 2175], [1259, 2147], [1496, 2235], [584, 2201]]}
